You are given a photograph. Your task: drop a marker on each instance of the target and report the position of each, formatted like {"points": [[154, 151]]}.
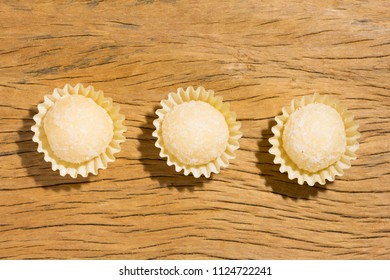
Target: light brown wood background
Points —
{"points": [[258, 55]]}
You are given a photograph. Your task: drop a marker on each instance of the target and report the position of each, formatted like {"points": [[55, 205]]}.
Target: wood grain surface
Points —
{"points": [[258, 55]]}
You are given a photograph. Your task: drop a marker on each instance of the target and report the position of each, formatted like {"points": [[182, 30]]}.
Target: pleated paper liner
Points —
{"points": [[335, 169], [199, 94], [90, 166]]}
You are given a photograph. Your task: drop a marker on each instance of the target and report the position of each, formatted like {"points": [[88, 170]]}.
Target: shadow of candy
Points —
{"points": [[35, 165], [279, 182], [157, 167]]}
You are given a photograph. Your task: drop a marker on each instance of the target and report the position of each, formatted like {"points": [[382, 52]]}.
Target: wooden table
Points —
{"points": [[258, 55]]}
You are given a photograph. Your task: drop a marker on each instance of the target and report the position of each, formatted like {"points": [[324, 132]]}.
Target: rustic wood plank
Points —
{"points": [[258, 55]]}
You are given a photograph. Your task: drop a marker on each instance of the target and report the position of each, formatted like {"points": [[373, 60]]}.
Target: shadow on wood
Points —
{"points": [[157, 167], [279, 182], [36, 167]]}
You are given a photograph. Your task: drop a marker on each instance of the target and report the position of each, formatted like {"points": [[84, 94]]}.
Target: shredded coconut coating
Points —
{"points": [[195, 133], [78, 129], [314, 137]]}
